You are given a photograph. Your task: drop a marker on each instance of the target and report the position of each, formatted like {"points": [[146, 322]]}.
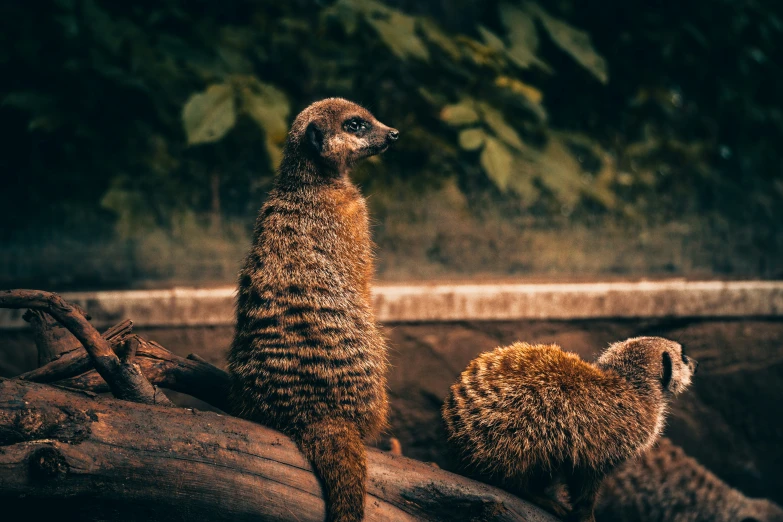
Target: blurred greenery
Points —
{"points": [[624, 137]]}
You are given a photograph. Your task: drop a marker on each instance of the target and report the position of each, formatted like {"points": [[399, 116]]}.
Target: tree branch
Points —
{"points": [[76, 361], [125, 380], [192, 375]]}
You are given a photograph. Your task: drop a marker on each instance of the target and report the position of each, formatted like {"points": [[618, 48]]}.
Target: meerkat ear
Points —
{"points": [[315, 137], [666, 378]]}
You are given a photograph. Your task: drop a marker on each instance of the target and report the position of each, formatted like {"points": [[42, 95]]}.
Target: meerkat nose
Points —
{"points": [[695, 365], [394, 135]]}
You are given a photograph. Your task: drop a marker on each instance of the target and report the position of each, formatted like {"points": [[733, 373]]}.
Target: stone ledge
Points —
{"points": [[456, 302]]}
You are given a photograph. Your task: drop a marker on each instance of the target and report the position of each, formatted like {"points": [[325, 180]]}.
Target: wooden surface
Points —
{"points": [[76, 456]]}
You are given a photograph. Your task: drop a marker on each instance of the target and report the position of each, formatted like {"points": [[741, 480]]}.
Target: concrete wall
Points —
{"points": [[456, 302]]}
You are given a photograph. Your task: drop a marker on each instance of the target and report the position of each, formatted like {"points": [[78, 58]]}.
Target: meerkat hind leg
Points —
{"points": [[583, 486], [538, 491]]}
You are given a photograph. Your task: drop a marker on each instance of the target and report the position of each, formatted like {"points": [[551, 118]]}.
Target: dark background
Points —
{"points": [[570, 139]]}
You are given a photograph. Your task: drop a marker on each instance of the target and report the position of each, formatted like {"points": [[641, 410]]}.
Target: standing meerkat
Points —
{"points": [[531, 418], [308, 358], [666, 485]]}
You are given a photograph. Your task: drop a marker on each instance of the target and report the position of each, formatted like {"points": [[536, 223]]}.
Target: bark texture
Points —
{"points": [[72, 455]]}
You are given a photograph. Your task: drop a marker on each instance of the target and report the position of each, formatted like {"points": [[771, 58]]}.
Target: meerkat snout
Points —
{"points": [[690, 361], [393, 135]]}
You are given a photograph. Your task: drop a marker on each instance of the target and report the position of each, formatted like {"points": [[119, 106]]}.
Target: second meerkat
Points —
{"points": [[533, 417], [307, 356]]}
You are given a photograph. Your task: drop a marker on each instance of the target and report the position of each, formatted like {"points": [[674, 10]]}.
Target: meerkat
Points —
{"points": [[307, 357], [532, 418], [666, 485]]}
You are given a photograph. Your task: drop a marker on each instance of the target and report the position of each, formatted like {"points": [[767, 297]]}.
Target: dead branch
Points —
{"points": [[192, 375], [76, 361], [72, 456], [125, 380]]}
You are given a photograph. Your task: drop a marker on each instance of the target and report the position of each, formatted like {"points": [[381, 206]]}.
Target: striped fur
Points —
{"points": [[666, 485], [307, 357], [529, 417]]}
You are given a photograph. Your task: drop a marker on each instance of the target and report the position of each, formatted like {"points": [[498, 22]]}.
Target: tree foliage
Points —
{"points": [[125, 117]]}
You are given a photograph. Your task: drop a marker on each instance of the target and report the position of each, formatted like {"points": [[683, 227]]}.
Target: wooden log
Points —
{"points": [[67, 455]]}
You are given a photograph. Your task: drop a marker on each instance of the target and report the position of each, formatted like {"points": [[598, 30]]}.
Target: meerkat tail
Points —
{"points": [[335, 449]]}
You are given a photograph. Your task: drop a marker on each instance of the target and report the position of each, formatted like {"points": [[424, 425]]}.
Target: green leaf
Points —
{"points": [[529, 96], [462, 113], [209, 115], [492, 40], [29, 101], [472, 139], [41, 109], [270, 108], [344, 12], [560, 172], [396, 29], [574, 42], [106, 29], [496, 160], [521, 183], [494, 119], [523, 37], [398, 32], [434, 34], [429, 96], [597, 185]]}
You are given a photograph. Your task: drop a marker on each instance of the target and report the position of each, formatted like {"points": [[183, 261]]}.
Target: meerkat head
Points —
{"points": [[337, 133], [640, 358]]}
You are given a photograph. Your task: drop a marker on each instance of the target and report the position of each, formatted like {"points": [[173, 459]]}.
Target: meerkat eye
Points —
{"points": [[666, 377], [355, 125]]}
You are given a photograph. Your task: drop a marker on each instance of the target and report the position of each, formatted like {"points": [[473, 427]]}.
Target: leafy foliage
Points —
{"points": [[208, 116], [130, 117]]}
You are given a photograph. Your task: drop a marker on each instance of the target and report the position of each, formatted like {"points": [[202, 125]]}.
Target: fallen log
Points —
{"points": [[68, 455]]}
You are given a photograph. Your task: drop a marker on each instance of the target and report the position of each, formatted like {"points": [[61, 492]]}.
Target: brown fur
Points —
{"points": [[532, 417], [666, 485], [307, 357]]}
